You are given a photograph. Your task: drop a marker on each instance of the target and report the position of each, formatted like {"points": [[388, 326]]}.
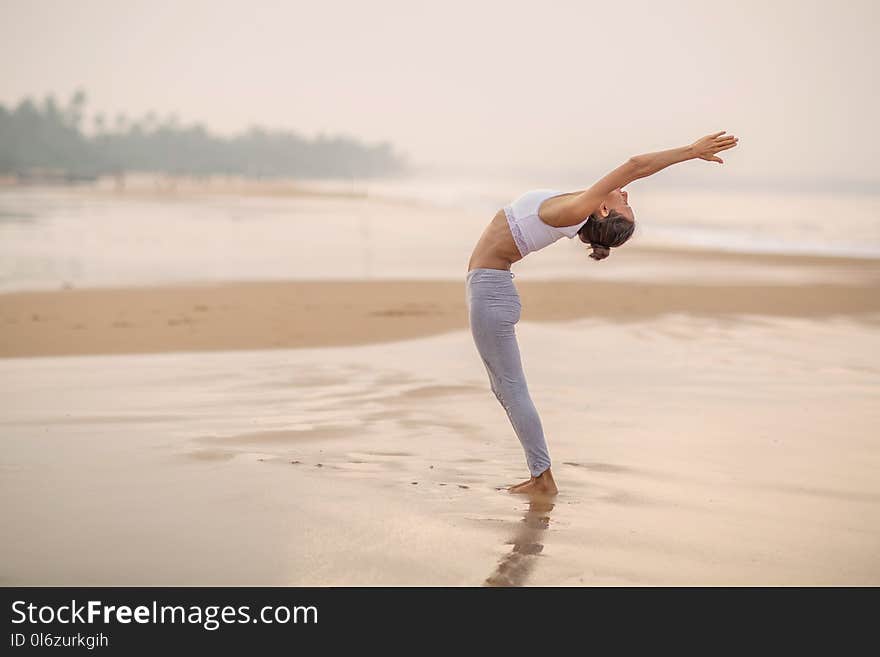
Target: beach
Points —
{"points": [[293, 314], [235, 342], [722, 431]]}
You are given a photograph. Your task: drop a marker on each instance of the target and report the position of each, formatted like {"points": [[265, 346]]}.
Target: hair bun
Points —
{"points": [[600, 252]]}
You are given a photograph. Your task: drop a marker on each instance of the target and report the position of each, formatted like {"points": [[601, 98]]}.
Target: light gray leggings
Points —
{"points": [[494, 309]]}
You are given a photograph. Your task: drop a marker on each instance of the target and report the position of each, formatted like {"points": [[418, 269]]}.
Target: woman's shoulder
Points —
{"points": [[528, 202], [557, 210]]}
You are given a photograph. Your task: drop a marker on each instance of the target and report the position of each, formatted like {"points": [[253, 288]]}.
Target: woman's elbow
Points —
{"points": [[638, 163]]}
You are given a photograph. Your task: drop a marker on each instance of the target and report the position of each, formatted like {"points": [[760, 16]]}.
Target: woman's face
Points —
{"points": [[618, 200]]}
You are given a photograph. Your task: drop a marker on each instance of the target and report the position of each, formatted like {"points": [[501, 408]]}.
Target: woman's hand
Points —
{"points": [[706, 147]]}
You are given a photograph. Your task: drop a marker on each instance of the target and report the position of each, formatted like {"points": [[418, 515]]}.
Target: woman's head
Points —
{"points": [[609, 226]]}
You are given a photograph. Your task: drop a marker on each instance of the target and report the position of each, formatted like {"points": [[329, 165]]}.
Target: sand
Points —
{"points": [[290, 314], [343, 433]]}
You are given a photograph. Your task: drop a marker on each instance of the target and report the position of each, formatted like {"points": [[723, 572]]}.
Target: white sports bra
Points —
{"points": [[529, 232]]}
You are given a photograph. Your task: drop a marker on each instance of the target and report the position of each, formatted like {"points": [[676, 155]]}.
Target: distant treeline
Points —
{"points": [[48, 137]]}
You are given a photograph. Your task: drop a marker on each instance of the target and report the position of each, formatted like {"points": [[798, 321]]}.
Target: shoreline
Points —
{"points": [[294, 314]]}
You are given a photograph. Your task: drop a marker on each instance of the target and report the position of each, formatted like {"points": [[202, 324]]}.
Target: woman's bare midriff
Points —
{"points": [[495, 249]]}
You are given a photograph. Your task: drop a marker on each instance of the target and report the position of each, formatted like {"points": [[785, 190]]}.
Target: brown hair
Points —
{"points": [[603, 234]]}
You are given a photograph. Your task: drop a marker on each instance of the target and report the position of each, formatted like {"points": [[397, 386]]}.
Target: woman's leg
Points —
{"points": [[494, 309]]}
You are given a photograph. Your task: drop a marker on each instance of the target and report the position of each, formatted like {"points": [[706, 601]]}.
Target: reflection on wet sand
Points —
{"points": [[515, 566]]}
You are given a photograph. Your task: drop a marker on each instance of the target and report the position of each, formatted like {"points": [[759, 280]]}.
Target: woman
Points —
{"points": [[602, 218]]}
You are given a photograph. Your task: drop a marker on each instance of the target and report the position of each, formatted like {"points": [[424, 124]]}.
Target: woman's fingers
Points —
{"points": [[715, 143]]}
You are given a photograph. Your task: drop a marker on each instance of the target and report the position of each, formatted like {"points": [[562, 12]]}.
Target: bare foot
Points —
{"points": [[543, 484], [513, 488]]}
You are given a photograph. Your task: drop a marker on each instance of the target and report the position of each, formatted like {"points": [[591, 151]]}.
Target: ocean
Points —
{"points": [[417, 227]]}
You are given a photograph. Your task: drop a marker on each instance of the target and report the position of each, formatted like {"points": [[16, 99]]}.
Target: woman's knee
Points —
{"points": [[515, 394]]}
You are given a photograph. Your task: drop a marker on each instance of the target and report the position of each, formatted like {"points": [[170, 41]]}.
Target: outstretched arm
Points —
{"points": [[704, 149], [578, 206]]}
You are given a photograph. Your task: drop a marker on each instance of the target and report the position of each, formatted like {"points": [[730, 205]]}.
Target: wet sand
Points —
{"points": [[688, 450]]}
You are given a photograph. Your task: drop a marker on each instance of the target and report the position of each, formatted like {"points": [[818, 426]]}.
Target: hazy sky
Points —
{"points": [[479, 85]]}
